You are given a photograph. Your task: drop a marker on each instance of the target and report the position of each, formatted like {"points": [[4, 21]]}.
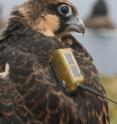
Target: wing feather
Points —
{"points": [[94, 109], [37, 89]]}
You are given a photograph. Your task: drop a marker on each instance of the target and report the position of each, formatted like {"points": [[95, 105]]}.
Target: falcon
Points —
{"points": [[29, 90]]}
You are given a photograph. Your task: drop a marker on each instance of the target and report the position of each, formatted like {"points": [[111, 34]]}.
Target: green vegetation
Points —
{"points": [[110, 84]]}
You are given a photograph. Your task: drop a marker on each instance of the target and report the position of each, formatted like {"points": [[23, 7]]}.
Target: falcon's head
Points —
{"points": [[50, 17]]}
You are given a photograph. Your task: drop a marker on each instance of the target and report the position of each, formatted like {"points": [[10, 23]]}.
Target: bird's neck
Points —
{"points": [[13, 27]]}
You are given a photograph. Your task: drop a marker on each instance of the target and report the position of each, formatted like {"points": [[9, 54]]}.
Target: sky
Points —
{"points": [[84, 6]]}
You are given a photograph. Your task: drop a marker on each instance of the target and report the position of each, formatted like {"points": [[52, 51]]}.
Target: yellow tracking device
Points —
{"points": [[66, 68]]}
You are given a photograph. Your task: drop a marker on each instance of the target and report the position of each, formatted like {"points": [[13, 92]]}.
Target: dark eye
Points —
{"points": [[65, 10]]}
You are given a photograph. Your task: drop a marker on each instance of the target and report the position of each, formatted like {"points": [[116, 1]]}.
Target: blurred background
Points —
{"points": [[100, 38]]}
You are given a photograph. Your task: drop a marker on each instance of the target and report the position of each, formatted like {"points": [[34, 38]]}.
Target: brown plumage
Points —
{"points": [[29, 91]]}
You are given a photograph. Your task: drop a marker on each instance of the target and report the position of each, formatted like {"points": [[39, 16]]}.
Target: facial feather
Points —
{"points": [[47, 24], [52, 18]]}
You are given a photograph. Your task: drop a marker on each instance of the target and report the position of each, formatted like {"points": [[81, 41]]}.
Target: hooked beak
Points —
{"points": [[76, 24]]}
